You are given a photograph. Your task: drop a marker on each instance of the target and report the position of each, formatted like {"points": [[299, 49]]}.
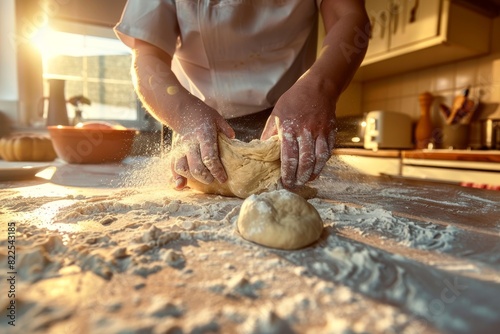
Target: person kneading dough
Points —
{"points": [[279, 219]]}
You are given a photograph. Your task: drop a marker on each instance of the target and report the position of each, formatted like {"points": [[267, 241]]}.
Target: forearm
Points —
{"points": [[196, 123], [158, 88], [342, 52]]}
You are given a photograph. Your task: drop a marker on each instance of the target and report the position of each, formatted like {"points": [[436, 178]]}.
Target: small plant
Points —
{"points": [[77, 101]]}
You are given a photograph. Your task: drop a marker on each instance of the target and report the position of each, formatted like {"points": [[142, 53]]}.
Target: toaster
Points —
{"points": [[388, 129]]}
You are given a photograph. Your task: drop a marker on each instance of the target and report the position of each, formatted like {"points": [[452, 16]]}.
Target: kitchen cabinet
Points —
{"points": [[415, 21], [408, 35], [479, 167], [455, 166], [398, 24], [452, 173], [379, 15], [368, 162]]}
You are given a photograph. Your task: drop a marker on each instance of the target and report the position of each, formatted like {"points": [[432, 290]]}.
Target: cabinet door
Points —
{"points": [[414, 21], [380, 16]]}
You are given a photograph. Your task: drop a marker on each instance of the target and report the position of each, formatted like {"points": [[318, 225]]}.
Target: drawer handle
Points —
{"points": [[395, 9], [383, 24], [413, 12]]}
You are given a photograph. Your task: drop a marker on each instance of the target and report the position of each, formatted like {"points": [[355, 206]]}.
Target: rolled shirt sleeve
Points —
{"points": [[153, 21]]}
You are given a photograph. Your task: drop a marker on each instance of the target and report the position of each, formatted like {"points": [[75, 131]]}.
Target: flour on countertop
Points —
{"points": [[147, 259]]}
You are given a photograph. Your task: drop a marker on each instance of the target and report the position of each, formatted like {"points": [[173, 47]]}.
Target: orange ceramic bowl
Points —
{"points": [[92, 144]]}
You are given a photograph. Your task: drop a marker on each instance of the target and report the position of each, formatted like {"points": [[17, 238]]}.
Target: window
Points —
{"points": [[95, 64]]}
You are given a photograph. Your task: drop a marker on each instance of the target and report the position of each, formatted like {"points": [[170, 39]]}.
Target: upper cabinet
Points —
{"points": [[379, 12], [414, 21], [412, 34]]}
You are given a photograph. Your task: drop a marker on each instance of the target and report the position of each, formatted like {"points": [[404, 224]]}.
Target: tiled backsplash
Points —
{"points": [[400, 93]]}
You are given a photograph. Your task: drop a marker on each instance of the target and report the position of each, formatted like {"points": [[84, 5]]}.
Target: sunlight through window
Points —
{"points": [[95, 67]]}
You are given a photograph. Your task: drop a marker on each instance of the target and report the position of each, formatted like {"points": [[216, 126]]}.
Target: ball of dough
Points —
{"points": [[279, 219]]}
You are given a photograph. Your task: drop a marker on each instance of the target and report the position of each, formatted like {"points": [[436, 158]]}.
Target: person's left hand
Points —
{"points": [[304, 119]]}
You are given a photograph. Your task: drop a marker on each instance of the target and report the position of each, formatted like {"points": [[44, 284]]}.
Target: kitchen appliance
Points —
{"points": [[388, 129], [490, 134], [350, 131]]}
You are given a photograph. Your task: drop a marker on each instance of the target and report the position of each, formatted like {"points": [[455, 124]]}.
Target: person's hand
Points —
{"points": [[196, 136], [304, 119]]}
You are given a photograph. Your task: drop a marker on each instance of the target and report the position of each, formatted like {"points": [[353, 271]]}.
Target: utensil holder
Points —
{"points": [[455, 136]]}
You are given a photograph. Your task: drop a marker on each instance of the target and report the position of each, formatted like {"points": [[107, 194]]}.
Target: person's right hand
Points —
{"points": [[196, 137]]}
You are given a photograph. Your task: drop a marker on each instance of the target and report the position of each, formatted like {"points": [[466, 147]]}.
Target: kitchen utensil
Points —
{"points": [[468, 111], [445, 110], [86, 145], [458, 104]]}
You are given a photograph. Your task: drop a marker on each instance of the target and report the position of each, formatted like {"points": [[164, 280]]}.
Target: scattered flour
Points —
{"points": [[145, 259]]}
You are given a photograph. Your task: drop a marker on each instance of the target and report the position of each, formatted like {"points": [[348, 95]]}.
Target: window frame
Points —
{"points": [[143, 120]]}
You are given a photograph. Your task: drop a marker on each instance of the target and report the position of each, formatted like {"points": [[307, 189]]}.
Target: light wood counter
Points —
{"points": [[458, 155]]}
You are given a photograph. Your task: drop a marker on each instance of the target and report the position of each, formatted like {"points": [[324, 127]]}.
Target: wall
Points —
{"points": [[350, 102], [94, 12], [8, 63], [400, 93]]}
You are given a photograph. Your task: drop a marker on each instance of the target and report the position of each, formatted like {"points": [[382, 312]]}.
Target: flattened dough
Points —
{"points": [[279, 219], [250, 167]]}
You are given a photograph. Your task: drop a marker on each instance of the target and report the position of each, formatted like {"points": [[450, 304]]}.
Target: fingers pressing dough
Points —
{"points": [[251, 168]]}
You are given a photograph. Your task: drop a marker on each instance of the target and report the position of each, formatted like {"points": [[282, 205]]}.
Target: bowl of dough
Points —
{"points": [[92, 142]]}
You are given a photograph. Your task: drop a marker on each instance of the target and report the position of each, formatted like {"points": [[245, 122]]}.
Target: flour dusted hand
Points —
{"points": [[279, 219], [200, 156], [306, 130]]}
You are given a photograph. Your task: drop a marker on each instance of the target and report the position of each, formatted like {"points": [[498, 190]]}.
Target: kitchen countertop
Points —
{"points": [[368, 153], [458, 155], [434, 154], [110, 248]]}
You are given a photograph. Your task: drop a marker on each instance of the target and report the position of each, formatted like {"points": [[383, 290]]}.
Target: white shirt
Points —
{"points": [[238, 56]]}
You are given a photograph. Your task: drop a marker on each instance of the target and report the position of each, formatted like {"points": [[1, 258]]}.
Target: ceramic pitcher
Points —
{"points": [[57, 113]]}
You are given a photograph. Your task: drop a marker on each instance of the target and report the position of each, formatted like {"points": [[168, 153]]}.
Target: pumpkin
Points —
{"points": [[27, 147]]}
